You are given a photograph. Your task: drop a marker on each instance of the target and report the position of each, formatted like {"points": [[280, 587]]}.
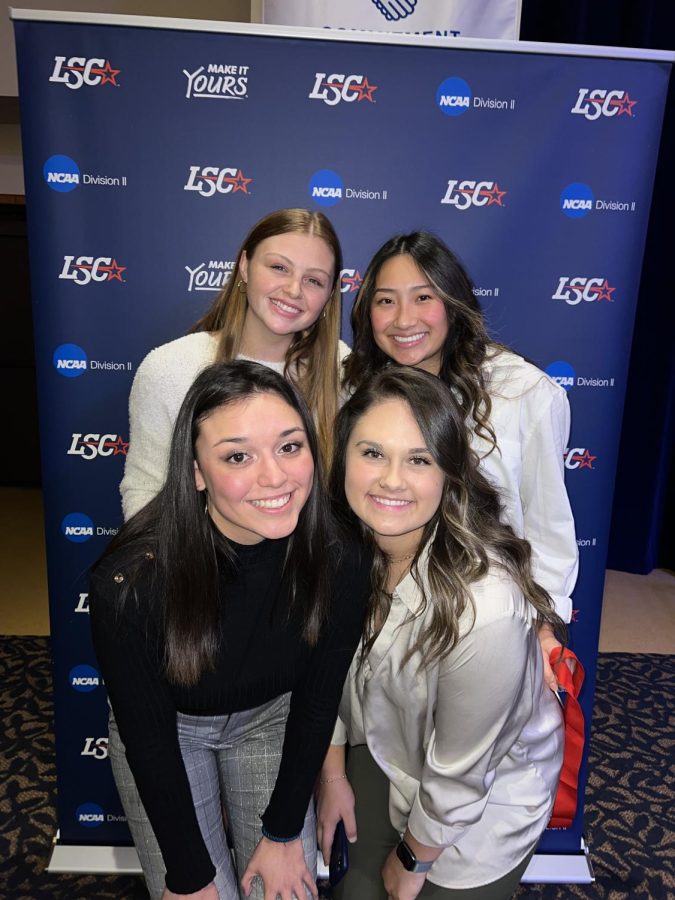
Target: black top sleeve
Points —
{"points": [[316, 697], [128, 653]]}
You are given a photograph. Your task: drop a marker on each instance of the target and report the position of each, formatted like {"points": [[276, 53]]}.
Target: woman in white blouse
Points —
{"points": [[455, 739], [416, 307]]}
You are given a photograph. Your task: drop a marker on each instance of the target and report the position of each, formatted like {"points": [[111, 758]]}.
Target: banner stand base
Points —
{"points": [[560, 868], [91, 859], [544, 868]]}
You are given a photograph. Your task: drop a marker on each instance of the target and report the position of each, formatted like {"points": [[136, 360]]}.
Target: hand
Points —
{"points": [[399, 884], [548, 641], [210, 892], [334, 801], [283, 870]]}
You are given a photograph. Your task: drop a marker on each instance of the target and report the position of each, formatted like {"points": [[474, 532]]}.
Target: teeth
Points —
{"points": [[276, 503], [400, 339], [386, 501], [285, 307]]}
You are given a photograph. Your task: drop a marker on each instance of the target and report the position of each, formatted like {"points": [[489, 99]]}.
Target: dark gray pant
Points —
{"points": [[377, 838], [232, 764]]}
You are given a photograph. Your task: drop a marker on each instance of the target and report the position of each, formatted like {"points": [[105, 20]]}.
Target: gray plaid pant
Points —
{"points": [[232, 764]]}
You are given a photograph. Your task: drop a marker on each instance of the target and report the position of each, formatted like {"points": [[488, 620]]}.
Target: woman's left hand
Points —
{"points": [[548, 641], [283, 870], [399, 884]]}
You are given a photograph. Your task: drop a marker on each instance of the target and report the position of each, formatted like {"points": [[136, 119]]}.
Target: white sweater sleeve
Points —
{"points": [[151, 424], [548, 523]]}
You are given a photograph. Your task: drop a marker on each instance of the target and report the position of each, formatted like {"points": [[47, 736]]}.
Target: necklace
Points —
{"points": [[399, 559]]}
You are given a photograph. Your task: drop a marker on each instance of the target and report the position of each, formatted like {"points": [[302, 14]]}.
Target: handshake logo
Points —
{"points": [[394, 10]]}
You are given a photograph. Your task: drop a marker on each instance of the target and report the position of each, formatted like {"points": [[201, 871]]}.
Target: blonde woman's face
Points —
{"points": [[408, 318], [288, 280], [392, 482]]}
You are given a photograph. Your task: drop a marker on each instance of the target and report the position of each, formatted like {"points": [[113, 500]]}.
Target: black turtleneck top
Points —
{"points": [[262, 655]]}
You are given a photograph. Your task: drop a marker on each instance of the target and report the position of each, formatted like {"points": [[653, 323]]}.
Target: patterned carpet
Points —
{"points": [[630, 796]]}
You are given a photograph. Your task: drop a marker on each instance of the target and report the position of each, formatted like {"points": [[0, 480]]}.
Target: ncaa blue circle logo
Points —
{"points": [[453, 96], [70, 360], [326, 187], [84, 679], [562, 373], [77, 527], [89, 815], [61, 173], [576, 200]]}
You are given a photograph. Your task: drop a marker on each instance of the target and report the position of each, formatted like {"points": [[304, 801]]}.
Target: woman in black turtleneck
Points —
{"points": [[224, 618]]}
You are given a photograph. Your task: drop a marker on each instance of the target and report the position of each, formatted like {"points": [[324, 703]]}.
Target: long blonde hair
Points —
{"points": [[312, 359]]}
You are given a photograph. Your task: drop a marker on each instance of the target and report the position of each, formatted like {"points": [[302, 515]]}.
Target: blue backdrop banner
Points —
{"points": [[150, 148]]}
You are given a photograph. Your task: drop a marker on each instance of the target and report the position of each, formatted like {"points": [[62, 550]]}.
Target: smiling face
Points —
{"points": [[289, 280], [392, 482], [253, 460], [408, 317]]}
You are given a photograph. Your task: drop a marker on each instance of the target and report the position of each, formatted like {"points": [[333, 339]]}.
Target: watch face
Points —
{"points": [[407, 857]]}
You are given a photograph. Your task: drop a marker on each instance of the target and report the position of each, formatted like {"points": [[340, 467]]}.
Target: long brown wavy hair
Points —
{"points": [[467, 345], [312, 358], [172, 542], [466, 536]]}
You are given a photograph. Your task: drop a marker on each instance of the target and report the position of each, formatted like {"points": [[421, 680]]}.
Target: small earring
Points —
{"points": [[241, 286]]}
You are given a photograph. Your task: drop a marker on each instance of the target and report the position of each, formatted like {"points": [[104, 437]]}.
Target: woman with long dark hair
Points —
{"points": [[224, 619], [280, 307], [455, 739], [416, 307]]}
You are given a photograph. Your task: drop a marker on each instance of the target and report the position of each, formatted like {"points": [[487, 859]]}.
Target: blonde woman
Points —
{"points": [[281, 308]]}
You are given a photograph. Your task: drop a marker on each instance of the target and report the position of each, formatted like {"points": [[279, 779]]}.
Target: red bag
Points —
{"points": [[565, 805]]}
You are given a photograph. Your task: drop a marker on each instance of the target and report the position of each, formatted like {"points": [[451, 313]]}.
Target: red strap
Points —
{"points": [[565, 805]]}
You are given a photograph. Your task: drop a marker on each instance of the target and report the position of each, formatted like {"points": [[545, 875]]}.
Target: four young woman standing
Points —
{"points": [[445, 696]]}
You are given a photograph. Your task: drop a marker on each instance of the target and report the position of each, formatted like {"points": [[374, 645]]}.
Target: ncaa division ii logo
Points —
{"points": [[453, 96], [61, 173], [326, 187]]}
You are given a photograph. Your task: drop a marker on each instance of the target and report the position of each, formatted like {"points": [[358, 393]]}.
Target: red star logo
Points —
{"points": [[352, 282], [604, 292], [586, 460], [114, 271], [625, 105], [240, 182], [495, 195], [108, 74], [119, 446], [365, 90]]}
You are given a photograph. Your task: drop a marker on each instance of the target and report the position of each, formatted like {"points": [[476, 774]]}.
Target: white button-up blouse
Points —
{"points": [[473, 744]]}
